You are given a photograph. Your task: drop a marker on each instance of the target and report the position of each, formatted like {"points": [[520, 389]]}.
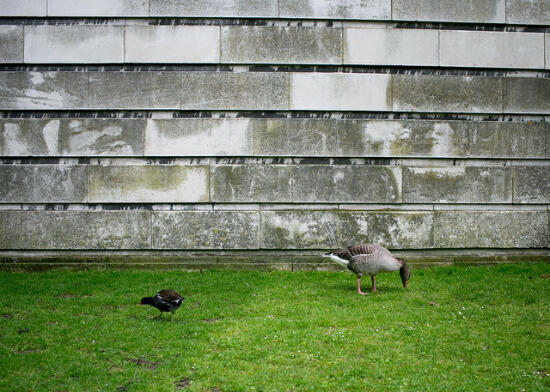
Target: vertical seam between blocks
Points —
{"points": [[47, 7], [439, 48], [289, 89], [23, 54], [151, 231], [149, 8], [124, 44], [342, 45]]}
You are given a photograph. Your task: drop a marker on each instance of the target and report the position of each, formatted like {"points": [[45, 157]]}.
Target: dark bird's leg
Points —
{"points": [[359, 286], [373, 286], [172, 316]]}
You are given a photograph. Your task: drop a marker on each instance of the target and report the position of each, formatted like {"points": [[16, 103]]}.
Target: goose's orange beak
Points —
{"points": [[405, 283]]}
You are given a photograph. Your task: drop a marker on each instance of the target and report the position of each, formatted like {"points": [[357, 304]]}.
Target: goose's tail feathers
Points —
{"points": [[336, 259]]}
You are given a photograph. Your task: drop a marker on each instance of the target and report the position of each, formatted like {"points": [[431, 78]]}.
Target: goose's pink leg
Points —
{"points": [[373, 287], [359, 287]]}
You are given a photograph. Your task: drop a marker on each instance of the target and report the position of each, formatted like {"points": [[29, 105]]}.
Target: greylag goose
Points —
{"points": [[369, 259], [164, 300]]}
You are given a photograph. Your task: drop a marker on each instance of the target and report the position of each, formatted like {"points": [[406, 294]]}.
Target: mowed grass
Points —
{"points": [[453, 329]]}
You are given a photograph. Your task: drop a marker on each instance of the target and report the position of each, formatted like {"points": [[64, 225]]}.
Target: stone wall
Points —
{"points": [[261, 133]]}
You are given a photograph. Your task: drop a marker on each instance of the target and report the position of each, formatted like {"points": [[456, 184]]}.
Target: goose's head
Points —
{"points": [[404, 272]]}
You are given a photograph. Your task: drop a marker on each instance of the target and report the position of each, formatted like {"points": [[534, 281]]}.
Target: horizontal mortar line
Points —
{"points": [[394, 161], [271, 22], [129, 114], [278, 68]]}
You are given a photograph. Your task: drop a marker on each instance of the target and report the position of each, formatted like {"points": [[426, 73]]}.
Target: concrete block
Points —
{"points": [[414, 138], [148, 184], [547, 129], [457, 184], [488, 49], [346, 184], [487, 11], [527, 95], [299, 230], [172, 44], [100, 137], [506, 139], [11, 236], [42, 183], [532, 184], [234, 91], [205, 230], [98, 8], [281, 45], [101, 230], [252, 183], [335, 9], [43, 90], [410, 230], [11, 44], [547, 51], [23, 8], [134, 90], [528, 12], [345, 91], [491, 229], [26, 137], [215, 8], [198, 137], [296, 137], [457, 94], [74, 44], [391, 47]]}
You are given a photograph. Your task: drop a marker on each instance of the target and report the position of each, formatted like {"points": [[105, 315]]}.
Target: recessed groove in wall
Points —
{"points": [[206, 114], [273, 161], [271, 22], [393, 70], [299, 206]]}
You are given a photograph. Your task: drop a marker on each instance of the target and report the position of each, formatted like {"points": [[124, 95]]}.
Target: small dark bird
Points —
{"points": [[164, 300], [369, 259]]}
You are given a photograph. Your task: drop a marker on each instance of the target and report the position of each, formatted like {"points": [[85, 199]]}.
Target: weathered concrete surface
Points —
{"points": [[234, 91], [11, 236], [491, 229], [205, 230], [528, 12], [455, 94], [42, 183], [43, 90], [506, 139], [488, 49], [391, 47], [296, 137], [23, 8], [527, 95], [101, 137], [213, 8], [71, 137], [86, 229], [148, 184], [251, 183], [11, 44], [74, 44], [299, 230], [406, 138], [98, 8], [335, 9], [486, 11], [333, 91], [134, 90], [281, 45], [198, 137], [547, 50], [402, 230], [457, 184], [347, 184], [24, 137], [532, 184], [172, 44]]}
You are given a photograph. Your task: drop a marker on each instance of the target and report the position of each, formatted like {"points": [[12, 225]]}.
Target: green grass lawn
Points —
{"points": [[453, 329]]}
